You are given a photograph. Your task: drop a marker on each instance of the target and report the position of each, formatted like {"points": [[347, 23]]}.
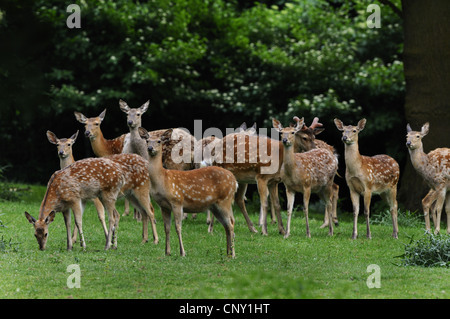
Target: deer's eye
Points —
{"points": [[418, 136], [293, 133], [354, 131], [68, 144]]}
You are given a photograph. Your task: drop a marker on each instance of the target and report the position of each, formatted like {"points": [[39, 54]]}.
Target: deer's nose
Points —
{"points": [[344, 138], [87, 133], [408, 143], [130, 122], [150, 148], [284, 140]]}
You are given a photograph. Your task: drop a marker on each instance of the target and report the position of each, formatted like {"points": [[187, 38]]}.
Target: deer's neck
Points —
{"points": [[353, 160], [98, 144], [419, 160], [157, 172], [50, 200], [288, 158], [103, 147], [64, 162]]}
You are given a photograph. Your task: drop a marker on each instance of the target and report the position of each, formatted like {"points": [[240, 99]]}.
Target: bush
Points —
{"points": [[428, 251]]}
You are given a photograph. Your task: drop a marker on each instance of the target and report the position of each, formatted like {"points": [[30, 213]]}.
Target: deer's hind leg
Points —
{"points": [[109, 203], [224, 213], [78, 208], [141, 199], [391, 198]]}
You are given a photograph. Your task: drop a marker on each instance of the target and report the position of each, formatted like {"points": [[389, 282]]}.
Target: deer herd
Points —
{"points": [[185, 175]]}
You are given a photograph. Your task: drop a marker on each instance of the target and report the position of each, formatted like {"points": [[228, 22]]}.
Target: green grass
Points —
{"points": [[264, 267]]}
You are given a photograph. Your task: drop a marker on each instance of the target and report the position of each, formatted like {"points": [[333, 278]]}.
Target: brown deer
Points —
{"points": [[193, 191], [253, 159], [105, 178], [309, 172], [207, 147], [100, 145], [65, 154], [305, 140], [434, 167], [366, 175], [134, 144]]}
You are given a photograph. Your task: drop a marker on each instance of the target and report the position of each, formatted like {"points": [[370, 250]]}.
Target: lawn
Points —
{"points": [[264, 267]]}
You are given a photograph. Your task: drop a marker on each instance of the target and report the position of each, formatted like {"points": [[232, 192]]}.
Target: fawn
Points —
{"points": [[434, 167], [193, 191], [65, 154], [105, 178], [309, 172], [367, 175]]}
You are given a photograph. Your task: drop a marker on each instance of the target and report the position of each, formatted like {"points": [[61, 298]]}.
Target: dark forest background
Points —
{"points": [[224, 62]]}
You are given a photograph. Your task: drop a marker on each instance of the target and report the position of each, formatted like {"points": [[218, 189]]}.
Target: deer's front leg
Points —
{"points": [[66, 215], [354, 196], [178, 217], [367, 199]]}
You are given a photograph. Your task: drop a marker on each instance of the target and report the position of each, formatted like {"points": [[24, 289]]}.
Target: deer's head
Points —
{"points": [[92, 124], [41, 227], [133, 114], [288, 133], [414, 138], [64, 145], [350, 132]]}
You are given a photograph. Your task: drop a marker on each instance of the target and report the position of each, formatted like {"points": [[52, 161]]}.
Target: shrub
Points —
{"points": [[428, 251]]}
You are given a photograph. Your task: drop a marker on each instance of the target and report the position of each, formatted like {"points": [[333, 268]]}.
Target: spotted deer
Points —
{"points": [[100, 145], [207, 147], [305, 140], [309, 172], [434, 167], [105, 178], [192, 191], [367, 175], [134, 144], [65, 154]]}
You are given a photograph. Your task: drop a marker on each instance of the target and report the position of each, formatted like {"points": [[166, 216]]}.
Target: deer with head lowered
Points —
{"points": [[367, 175], [309, 172], [65, 154], [192, 191], [434, 167], [105, 178]]}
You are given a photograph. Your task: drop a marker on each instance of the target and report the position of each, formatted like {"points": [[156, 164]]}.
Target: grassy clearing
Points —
{"points": [[265, 267]]}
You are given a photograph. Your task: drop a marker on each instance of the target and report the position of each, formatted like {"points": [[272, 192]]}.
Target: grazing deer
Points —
{"points": [[309, 172], [193, 191], [434, 167], [305, 140], [64, 146], [366, 175], [105, 178]]}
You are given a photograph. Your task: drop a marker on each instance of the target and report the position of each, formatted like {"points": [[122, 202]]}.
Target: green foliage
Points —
{"points": [[6, 245], [428, 251], [221, 61]]}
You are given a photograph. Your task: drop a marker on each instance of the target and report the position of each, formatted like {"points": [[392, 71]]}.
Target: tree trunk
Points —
{"points": [[426, 59]]}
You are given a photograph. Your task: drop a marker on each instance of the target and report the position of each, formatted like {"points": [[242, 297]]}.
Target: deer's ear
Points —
{"points": [[339, 124], [50, 217], [408, 128], [425, 129], [102, 115], [143, 133], [30, 218], [74, 137], [52, 137], [144, 107], [277, 125], [80, 117], [124, 106], [362, 124]]}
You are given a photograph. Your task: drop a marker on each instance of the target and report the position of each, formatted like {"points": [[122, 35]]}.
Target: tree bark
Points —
{"points": [[426, 57]]}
